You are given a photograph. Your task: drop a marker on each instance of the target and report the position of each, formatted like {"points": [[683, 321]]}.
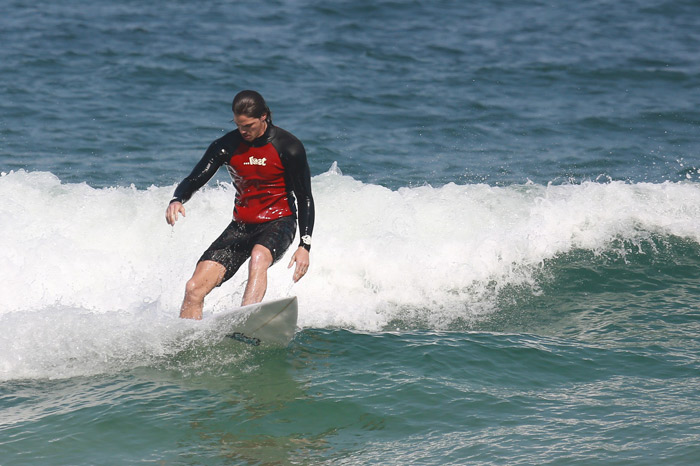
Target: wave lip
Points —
{"points": [[448, 246]]}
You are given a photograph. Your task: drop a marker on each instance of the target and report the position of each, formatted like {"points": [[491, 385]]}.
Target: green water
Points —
{"points": [[506, 272], [382, 398]]}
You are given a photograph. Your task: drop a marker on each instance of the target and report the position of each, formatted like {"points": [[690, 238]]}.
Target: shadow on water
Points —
{"points": [[220, 402], [252, 405], [210, 400]]}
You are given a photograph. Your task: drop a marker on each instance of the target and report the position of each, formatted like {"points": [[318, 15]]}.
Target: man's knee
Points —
{"points": [[260, 256], [206, 277], [195, 289]]}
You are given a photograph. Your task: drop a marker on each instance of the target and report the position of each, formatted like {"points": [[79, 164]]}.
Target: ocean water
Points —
{"points": [[506, 260]]}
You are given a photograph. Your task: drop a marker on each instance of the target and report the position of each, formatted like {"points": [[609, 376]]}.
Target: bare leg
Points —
{"points": [[260, 261], [207, 275]]}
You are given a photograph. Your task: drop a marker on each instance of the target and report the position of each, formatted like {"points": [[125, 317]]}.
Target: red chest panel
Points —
{"points": [[261, 192]]}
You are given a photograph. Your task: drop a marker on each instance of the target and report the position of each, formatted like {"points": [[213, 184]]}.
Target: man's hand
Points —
{"points": [[301, 257], [172, 211]]}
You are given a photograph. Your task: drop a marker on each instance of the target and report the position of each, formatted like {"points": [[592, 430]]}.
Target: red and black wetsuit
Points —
{"points": [[268, 173]]}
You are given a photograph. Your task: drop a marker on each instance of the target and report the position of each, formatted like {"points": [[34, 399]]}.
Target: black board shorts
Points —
{"points": [[233, 247]]}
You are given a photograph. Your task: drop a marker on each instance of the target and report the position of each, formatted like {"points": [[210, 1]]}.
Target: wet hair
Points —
{"points": [[251, 104]]}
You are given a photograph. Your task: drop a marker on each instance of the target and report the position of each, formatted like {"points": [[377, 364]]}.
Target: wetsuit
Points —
{"points": [[267, 173]]}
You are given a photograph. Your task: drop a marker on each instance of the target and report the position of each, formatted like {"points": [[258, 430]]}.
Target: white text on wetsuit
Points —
{"points": [[253, 161]]}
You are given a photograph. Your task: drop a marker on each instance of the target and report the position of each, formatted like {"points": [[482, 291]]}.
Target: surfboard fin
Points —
{"points": [[239, 336]]}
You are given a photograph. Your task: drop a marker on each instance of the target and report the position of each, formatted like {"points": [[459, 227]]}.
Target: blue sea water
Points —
{"points": [[506, 260]]}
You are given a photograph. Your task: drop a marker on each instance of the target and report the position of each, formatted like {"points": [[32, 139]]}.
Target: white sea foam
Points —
{"points": [[93, 278]]}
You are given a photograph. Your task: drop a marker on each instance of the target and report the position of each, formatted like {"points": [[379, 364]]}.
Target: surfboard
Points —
{"points": [[270, 323]]}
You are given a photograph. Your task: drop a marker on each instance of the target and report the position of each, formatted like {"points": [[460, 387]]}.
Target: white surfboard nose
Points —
{"points": [[270, 323]]}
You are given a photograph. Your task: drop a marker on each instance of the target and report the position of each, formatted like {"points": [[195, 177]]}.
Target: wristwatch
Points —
{"points": [[306, 242]]}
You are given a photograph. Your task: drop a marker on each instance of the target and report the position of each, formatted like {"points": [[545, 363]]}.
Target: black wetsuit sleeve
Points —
{"points": [[205, 169], [298, 176]]}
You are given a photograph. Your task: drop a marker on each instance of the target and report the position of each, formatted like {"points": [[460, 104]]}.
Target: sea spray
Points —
{"points": [[98, 272]]}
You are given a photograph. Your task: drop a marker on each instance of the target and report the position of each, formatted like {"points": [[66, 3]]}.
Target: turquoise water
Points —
{"points": [[506, 262]]}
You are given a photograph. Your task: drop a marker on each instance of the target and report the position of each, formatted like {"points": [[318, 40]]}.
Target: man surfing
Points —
{"points": [[269, 169]]}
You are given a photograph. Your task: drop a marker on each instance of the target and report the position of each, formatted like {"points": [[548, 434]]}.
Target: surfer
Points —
{"points": [[269, 170]]}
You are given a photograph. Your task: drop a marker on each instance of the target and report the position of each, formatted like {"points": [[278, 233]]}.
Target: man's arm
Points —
{"points": [[202, 172], [299, 177]]}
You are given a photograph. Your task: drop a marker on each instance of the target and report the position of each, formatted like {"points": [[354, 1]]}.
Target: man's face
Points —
{"points": [[250, 128]]}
